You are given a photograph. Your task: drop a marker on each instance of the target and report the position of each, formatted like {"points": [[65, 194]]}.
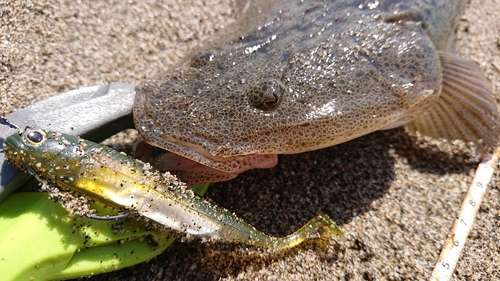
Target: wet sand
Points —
{"points": [[394, 196]]}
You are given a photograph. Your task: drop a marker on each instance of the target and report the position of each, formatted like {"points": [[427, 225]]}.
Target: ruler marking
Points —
{"points": [[454, 244]]}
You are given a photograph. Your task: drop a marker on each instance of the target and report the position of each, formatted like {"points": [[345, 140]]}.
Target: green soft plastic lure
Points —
{"points": [[119, 181]]}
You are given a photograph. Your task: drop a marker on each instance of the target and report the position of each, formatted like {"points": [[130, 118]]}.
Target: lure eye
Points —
{"points": [[35, 137]]}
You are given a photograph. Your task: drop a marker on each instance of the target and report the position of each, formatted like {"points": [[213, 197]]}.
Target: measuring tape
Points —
{"points": [[455, 242]]}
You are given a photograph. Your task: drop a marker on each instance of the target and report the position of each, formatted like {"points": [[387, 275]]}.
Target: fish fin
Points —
{"points": [[465, 109], [252, 7], [241, 6]]}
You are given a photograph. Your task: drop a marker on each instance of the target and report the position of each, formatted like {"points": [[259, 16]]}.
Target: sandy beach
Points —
{"points": [[395, 196]]}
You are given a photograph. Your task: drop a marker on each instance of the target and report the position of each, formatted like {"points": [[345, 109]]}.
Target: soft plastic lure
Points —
{"points": [[117, 180]]}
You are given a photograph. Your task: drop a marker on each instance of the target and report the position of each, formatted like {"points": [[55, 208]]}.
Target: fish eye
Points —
{"points": [[265, 95], [273, 101], [34, 137]]}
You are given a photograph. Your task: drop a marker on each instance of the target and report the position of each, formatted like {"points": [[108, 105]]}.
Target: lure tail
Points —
{"points": [[320, 226], [231, 228]]}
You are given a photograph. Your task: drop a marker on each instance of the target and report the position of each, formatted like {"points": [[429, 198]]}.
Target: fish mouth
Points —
{"points": [[197, 166]]}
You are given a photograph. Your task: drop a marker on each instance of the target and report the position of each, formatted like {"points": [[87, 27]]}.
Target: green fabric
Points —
{"points": [[39, 241]]}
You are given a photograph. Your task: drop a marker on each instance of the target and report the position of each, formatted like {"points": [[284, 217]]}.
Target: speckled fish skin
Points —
{"points": [[303, 76]]}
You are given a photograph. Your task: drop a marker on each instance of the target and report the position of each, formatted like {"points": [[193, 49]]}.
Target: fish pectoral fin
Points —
{"points": [[465, 109]]}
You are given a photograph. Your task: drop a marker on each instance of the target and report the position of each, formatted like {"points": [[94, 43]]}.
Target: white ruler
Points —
{"points": [[455, 242]]}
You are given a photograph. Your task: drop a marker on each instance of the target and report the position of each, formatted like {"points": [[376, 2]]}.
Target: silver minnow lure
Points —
{"points": [[117, 180]]}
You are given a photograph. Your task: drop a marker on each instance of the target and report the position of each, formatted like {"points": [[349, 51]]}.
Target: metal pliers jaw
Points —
{"points": [[38, 238]]}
